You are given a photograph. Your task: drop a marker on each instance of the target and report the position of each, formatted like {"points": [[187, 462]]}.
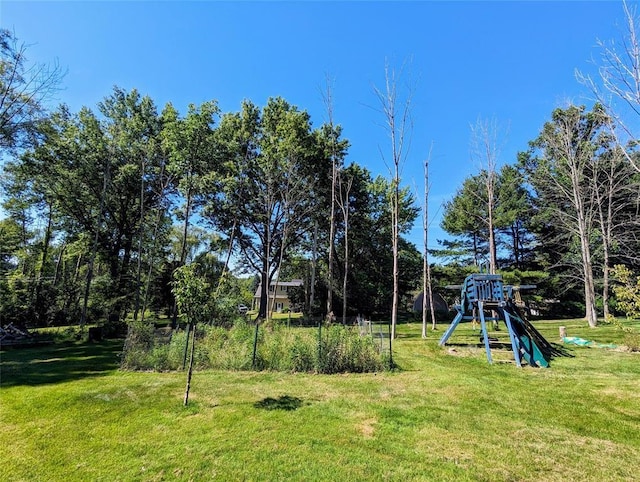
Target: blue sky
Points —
{"points": [[509, 61]]}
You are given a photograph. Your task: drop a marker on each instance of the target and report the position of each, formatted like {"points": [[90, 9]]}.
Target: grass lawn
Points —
{"points": [[67, 413]]}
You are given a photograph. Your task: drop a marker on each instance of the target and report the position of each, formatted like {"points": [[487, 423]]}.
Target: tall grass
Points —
{"points": [[334, 349]]}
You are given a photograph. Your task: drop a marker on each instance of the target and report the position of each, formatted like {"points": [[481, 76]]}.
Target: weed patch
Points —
{"points": [[334, 349]]}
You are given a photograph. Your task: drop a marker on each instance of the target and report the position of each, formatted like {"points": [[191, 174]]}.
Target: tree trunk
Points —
{"points": [[396, 271], [151, 261], [346, 264], [430, 290], [587, 268], [515, 241], [425, 261], [189, 374], [94, 249], [427, 288], [140, 235], [41, 305], [164, 182], [264, 288], [314, 255], [332, 215], [183, 250], [332, 229], [45, 244]]}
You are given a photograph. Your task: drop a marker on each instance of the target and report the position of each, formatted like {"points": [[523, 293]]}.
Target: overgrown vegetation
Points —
{"points": [[339, 349]]}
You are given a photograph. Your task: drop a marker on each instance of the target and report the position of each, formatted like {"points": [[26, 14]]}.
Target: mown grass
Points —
{"points": [[67, 413]]}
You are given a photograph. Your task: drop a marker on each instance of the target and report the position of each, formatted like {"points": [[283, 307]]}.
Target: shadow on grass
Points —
{"points": [[58, 363], [285, 402]]}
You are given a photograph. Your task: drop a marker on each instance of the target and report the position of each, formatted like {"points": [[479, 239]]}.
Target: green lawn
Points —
{"points": [[67, 413]]}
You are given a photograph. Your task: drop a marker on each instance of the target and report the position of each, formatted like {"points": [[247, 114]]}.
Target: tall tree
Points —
{"points": [[616, 190], [464, 215], [190, 147], [92, 168], [514, 211], [267, 187], [559, 167], [335, 167]]}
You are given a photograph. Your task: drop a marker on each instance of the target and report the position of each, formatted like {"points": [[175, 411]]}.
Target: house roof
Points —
{"points": [[293, 283]]}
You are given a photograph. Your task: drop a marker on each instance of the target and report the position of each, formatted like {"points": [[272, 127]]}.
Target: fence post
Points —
{"points": [[319, 345], [390, 348], [255, 345]]}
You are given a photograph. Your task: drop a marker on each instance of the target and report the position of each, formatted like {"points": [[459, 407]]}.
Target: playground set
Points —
{"points": [[487, 298]]}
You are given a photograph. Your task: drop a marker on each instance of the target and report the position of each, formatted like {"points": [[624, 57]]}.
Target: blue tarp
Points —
{"points": [[574, 340]]}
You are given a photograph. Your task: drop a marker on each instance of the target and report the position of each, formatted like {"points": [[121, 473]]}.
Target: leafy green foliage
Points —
{"points": [[466, 218], [193, 294], [272, 164], [627, 290]]}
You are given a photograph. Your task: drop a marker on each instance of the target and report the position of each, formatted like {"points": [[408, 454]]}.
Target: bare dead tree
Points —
{"points": [[24, 89], [344, 188], [485, 152], [617, 87], [426, 268], [328, 102], [398, 123]]}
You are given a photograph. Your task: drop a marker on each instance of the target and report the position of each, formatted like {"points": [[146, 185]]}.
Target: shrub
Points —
{"points": [[631, 338]]}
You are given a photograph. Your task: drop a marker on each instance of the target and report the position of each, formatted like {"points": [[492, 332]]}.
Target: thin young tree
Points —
{"points": [[313, 267], [396, 111], [328, 102], [427, 288], [193, 296], [345, 182]]}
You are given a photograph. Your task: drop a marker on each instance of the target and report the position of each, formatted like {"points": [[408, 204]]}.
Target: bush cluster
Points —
{"points": [[336, 349]]}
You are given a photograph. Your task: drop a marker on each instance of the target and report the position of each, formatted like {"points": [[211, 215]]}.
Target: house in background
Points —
{"points": [[278, 295]]}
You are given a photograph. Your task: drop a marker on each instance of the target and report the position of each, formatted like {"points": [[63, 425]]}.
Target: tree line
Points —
{"points": [[104, 204], [562, 215]]}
